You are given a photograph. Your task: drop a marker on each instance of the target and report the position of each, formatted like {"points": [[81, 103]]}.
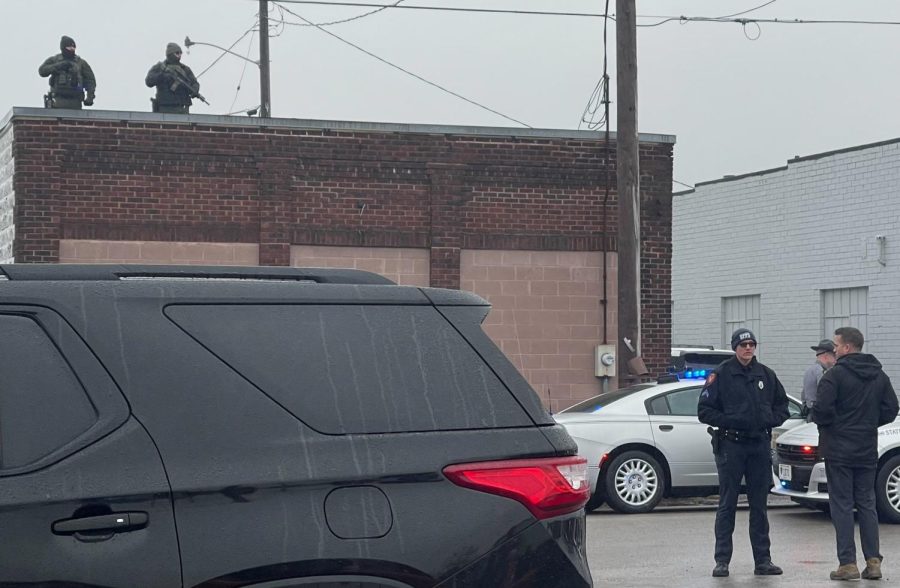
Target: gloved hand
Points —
{"points": [[89, 101]]}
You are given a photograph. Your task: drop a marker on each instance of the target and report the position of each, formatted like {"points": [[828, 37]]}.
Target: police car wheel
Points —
{"points": [[634, 483], [887, 491]]}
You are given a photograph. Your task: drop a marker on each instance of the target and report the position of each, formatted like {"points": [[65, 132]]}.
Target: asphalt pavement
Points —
{"points": [[673, 547]]}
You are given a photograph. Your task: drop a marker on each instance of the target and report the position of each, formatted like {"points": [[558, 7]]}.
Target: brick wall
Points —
{"points": [[787, 234], [94, 176]]}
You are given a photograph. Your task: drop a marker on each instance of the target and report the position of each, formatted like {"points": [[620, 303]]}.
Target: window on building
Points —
{"points": [[737, 312], [844, 307]]}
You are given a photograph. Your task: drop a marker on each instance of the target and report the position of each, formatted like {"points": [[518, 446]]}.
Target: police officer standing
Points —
{"points": [[70, 77], [743, 400], [175, 83]]}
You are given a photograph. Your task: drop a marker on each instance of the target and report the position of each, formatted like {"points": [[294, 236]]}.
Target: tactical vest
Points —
{"points": [[68, 81]]}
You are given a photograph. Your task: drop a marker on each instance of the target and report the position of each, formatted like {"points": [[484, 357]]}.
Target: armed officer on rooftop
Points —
{"points": [[175, 83], [70, 77], [743, 400]]}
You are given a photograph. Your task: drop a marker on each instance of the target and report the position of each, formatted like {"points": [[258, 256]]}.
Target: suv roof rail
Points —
{"points": [[111, 272]]}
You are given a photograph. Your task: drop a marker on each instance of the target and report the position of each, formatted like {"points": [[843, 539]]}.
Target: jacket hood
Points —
{"points": [[863, 365]]}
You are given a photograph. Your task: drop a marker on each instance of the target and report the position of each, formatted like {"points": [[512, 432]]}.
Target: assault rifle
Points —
{"points": [[180, 80]]}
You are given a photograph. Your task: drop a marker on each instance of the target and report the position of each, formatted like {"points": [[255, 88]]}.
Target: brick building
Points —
{"points": [[793, 253], [518, 216]]}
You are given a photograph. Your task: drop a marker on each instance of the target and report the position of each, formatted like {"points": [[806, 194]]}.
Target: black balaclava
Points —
{"points": [[171, 50], [66, 42]]}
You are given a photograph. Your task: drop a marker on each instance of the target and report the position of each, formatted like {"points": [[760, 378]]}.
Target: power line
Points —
{"points": [[350, 19], [243, 71], [221, 55], [407, 72], [749, 10], [600, 96], [444, 8]]}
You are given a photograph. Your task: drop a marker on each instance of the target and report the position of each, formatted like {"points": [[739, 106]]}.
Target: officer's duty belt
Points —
{"points": [[742, 435]]}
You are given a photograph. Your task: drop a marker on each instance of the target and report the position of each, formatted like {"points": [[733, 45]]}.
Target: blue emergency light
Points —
{"points": [[694, 375]]}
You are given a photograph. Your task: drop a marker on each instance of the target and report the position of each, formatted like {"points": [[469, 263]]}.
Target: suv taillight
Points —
{"points": [[548, 487]]}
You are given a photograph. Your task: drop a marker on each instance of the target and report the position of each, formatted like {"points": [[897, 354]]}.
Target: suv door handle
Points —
{"points": [[117, 522], [666, 427]]}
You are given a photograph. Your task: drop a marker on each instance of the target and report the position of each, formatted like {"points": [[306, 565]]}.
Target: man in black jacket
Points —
{"points": [[744, 400], [854, 398]]}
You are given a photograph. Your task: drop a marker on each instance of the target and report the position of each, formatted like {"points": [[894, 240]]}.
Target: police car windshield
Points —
{"points": [[597, 402]]}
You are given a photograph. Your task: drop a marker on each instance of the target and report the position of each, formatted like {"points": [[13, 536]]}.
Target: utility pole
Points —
{"points": [[265, 107], [630, 364]]}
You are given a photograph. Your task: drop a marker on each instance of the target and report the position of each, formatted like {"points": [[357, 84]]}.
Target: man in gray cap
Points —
{"points": [[824, 361], [70, 78], [175, 83]]}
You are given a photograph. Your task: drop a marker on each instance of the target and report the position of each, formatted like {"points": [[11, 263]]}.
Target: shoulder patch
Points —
{"points": [[710, 379]]}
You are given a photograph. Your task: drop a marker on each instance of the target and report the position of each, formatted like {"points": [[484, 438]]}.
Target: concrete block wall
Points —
{"points": [[786, 235], [408, 267], [547, 315], [157, 252], [7, 196]]}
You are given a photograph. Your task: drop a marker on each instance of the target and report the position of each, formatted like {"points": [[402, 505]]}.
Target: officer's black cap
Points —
{"points": [[741, 335]]}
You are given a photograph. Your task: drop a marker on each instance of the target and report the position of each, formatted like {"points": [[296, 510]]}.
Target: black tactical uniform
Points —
{"points": [[70, 77], [175, 83], [743, 403]]}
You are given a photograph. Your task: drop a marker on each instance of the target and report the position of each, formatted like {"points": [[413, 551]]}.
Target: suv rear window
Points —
{"points": [[346, 369]]}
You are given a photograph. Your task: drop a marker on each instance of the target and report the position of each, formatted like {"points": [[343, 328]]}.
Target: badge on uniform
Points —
{"points": [[761, 385]]}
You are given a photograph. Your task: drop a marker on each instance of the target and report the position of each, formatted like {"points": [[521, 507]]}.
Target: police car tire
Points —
{"points": [[643, 461], [887, 473]]}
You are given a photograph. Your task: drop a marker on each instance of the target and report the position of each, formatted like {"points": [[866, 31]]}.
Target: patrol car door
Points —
{"points": [[682, 438], [84, 499]]}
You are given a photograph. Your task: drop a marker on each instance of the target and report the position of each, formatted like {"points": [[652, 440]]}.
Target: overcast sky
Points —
{"points": [[734, 104]]}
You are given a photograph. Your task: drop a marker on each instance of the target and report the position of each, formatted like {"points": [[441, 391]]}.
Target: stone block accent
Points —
{"points": [[408, 267], [157, 252]]}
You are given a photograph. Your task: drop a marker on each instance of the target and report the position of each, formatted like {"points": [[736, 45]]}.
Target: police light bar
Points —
{"points": [[693, 374]]}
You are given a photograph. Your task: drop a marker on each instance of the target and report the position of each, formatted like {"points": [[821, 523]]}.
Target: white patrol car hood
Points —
{"points": [[806, 434]]}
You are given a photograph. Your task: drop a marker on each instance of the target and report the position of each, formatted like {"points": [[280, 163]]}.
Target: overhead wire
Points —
{"points": [[600, 95], [224, 53], [667, 18], [407, 72], [352, 18], [442, 8], [243, 71]]}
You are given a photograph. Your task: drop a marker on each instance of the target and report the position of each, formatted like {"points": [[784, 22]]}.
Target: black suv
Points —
{"points": [[185, 426]]}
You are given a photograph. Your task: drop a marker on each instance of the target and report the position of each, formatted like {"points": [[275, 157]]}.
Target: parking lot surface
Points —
{"points": [[673, 547]]}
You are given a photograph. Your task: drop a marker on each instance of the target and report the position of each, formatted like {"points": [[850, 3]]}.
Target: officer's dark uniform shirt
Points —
{"points": [[748, 399]]}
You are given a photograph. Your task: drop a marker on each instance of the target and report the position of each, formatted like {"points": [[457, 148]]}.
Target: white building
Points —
{"points": [[792, 253]]}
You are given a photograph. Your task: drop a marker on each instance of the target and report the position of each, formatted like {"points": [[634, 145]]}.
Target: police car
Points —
{"points": [[799, 471], [644, 442]]}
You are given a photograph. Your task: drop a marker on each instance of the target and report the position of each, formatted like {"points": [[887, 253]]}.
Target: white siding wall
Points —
{"points": [[786, 235]]}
